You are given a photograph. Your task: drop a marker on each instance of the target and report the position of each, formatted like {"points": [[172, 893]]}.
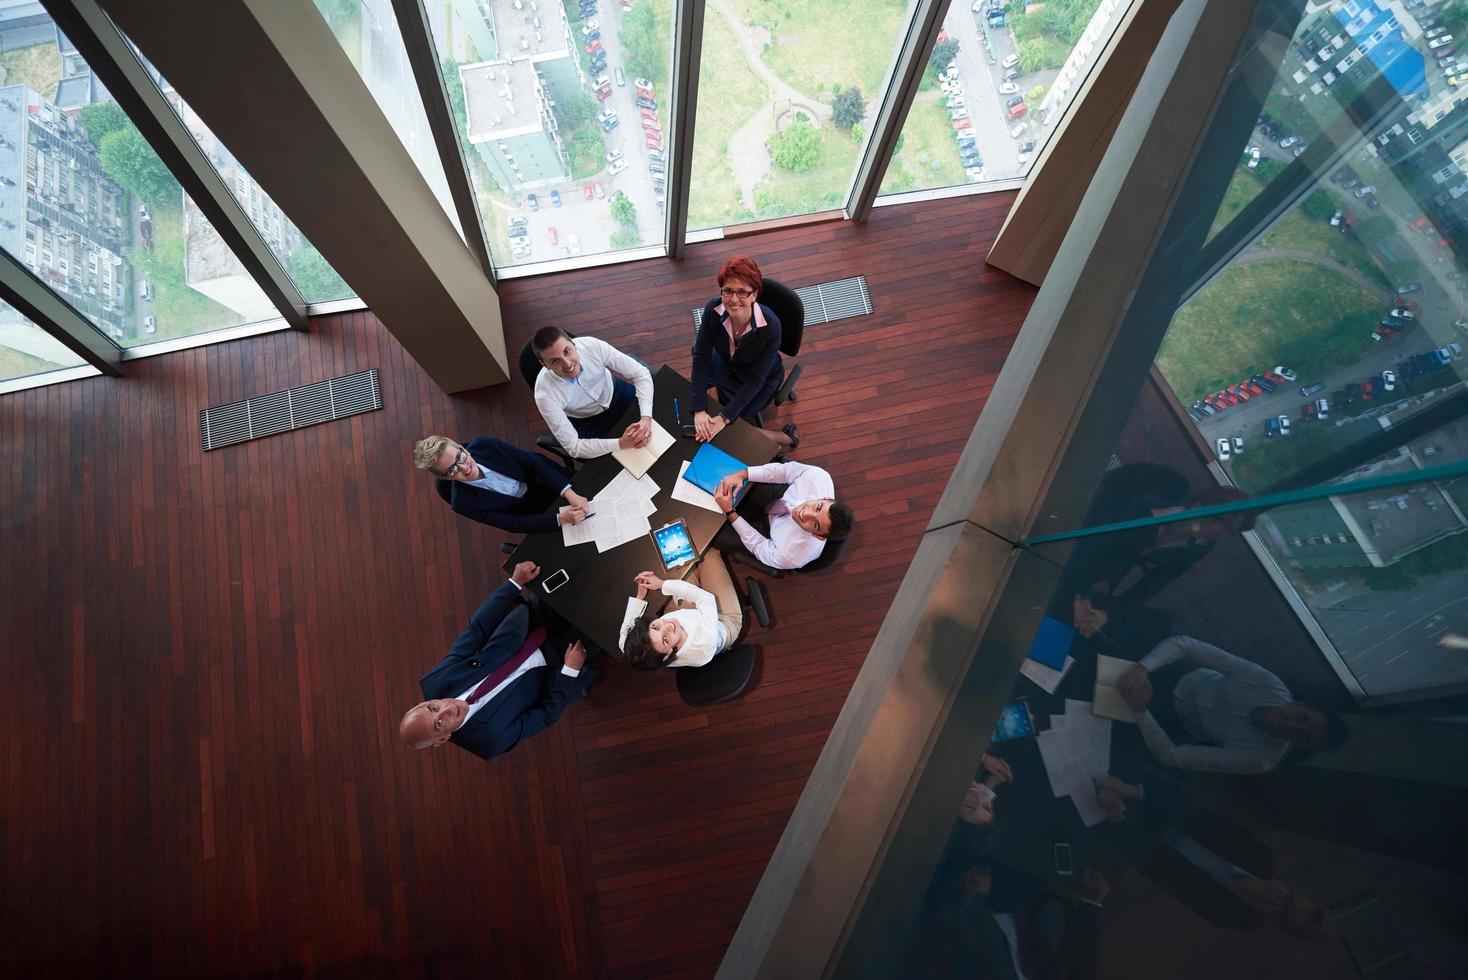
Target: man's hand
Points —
{"points": [[639, 433], [1086, 618], [1094, 886], [724, 496], [525, 573], [576, 500], [576, 656], [1136, 688], [998, 769], [734, 481], [571, 515], [1111, 803]]}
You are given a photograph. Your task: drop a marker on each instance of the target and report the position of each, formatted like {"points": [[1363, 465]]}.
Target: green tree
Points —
{"points": [[103, 118], [797, 148], [128, 159], [1454, 17], [943, 52], [624, 212], [315, 277], [1319, 205], [575, 109], [645, 41], [454, 85], [848, 107]]}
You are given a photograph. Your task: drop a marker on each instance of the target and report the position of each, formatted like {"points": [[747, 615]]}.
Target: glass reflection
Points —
{"points": [[26, 349]]}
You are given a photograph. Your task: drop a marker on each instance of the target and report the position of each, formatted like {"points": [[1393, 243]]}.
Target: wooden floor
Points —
{"points": [[207, 653]]}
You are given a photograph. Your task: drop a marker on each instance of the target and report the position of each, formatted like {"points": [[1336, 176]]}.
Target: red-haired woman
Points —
{"points": [[737, 351]]}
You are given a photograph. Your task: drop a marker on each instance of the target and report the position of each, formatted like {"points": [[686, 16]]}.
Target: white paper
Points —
{"points": [[583, 533], [624, 484], [690, 494], [1076, 750], [1047, 678], [619, 521]]}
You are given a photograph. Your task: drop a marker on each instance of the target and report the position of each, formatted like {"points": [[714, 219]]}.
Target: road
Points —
{"points": [[981, 82], [1390, 640]]}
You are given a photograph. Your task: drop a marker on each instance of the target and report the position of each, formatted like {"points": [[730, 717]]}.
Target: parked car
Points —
{"points": [[1262, 382], [1014, 100], [150, 324], [1008, 88], [617, 167], [1309, 413], [555, 199], [1335, 219], [1284, 425], [1253, 386], [146, 286], [143, 213], [959, 114], [1288, 142], [1225, 448], [1017, 110], [574, 244], [1388, 380], [1364, 190], [1010, 62], [963, 124], [642, 83], [610, 123], [1253, 157], [620, 76], [1322, 408], [644, 102], [1271, 427], [1309, 390], [1440, 42], [550, 234], [1238, 445], [1443, 355], [1403, 312], [596, 188], [532, 202], [1393, 322], [1408, 287]]}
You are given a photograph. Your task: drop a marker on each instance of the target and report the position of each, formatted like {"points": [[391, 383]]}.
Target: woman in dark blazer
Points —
{"points": [[737, 351]]}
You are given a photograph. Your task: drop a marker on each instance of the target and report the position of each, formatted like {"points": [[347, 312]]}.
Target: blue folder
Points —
{"points": [[710, 465], [1052, 643]]}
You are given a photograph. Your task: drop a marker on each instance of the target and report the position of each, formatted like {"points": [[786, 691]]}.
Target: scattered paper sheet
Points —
{"points": [[1047, 678], [583, 533], [1076, 750], [690, 494]]}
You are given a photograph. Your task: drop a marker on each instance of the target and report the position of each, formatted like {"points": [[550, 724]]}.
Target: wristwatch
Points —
{"points": [[729, 515]]}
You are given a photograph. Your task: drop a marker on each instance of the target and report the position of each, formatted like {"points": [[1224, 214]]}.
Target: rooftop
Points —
{"points": [[501, 99]]}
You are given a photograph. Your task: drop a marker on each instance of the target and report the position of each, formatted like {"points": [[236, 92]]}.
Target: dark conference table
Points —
{"points": [[595, 598]]}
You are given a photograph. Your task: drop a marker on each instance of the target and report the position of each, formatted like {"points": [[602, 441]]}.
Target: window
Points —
{"points": [[562, 115], [97, 190], [998, 82], [27, 350]]}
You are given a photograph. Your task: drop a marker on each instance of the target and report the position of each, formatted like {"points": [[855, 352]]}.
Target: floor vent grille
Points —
{"points": [[1374, 942], [294, 408], [825, 301]]}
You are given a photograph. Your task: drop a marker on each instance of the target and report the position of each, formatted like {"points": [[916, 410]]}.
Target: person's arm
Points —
{"points": [[485, 620], [541, 715], [635, 607], [1200, 758], [628, 368], [1201, 654], [769, 338], [541, 470], [703, 343], [703, 600], [1169, 651], [559, 423], [762, 547], [777, 472]]}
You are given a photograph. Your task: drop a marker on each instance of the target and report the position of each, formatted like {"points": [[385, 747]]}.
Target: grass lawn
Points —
{"points": [[821, 43], [821, 187], [16, 364], [181, 310], [730, 93], [1253, 317], [1266, 461], [1298, 230], [1241, 190], [927, 139], [38, 66]]}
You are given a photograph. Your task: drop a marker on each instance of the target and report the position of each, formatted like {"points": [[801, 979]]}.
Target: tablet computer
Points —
{"points": [[674, 545], [1015, 721]]}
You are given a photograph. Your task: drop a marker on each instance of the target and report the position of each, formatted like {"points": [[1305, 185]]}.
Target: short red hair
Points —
{"points": [[742, 267]]}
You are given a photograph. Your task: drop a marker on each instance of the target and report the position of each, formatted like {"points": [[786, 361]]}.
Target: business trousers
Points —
{"points": [[601, 425], [712, 575]]}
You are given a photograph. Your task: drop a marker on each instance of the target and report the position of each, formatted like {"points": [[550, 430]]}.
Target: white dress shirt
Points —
{"points": [[1214, 702], [789, 545], [589, 393], [706, 635], [490, 480]]}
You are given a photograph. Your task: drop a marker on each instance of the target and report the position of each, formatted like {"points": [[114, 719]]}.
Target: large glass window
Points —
{"points": [[87, 205], [998, 81], [786, 97], [26, 349], [311, 273], [368, 32], [562, 116]]}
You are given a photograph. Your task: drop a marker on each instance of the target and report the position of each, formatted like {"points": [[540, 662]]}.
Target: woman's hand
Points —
{"points": [[998, 769], [1086, 618], [707, 426], [647, 582]]}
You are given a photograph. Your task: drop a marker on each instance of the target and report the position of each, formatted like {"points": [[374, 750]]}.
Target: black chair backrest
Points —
{"points": [[829, 555], [788, 307], [445, 490]]}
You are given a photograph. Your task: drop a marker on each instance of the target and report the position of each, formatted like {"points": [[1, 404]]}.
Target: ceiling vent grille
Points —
{"points": [[825, 301], [294, 408]]}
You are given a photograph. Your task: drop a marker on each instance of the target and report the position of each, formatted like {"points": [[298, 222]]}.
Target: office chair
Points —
{"points": [[529, 368], [721, 679], [788, 306], [754, 597], [445, 490]]}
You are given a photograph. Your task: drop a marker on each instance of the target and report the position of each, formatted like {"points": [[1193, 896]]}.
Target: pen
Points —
{"points": [[677, 414]]}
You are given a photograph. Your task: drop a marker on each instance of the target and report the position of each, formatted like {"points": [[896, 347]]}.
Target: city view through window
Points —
{"points": [[88, 207], [1344, 320]]}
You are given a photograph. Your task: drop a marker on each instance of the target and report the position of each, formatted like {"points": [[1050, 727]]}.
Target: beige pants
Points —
{"points": [[712, 575]]}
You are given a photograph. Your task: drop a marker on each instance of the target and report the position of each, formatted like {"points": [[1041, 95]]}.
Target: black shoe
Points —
{"points": [[790, 430]]}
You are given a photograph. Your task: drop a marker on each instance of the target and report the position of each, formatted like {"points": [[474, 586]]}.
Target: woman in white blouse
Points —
{"points": [[703, 620]]}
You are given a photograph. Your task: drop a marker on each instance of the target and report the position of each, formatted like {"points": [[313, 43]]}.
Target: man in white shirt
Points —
{"points": [[801, 520], [583, 389], [1246, 715]]}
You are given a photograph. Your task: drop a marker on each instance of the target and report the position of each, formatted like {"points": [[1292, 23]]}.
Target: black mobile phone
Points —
{"points": [[555, 580], [689, 430]]}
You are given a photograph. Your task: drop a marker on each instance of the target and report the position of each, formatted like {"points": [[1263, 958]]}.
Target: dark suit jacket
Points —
{"points": [[753, 363], [524, 515], [531, 703]]}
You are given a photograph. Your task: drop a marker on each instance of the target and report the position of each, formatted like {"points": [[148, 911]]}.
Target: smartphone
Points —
{"points": [[689, 430], [1063, 864], [555, 580]]}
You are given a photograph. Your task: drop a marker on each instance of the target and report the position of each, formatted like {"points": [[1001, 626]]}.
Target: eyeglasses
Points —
{"points": [[459, 462], [728, 293]]}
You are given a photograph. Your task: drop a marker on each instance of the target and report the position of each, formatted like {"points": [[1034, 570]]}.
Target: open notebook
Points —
{"points": [[1107, 702], [639, 461]]}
